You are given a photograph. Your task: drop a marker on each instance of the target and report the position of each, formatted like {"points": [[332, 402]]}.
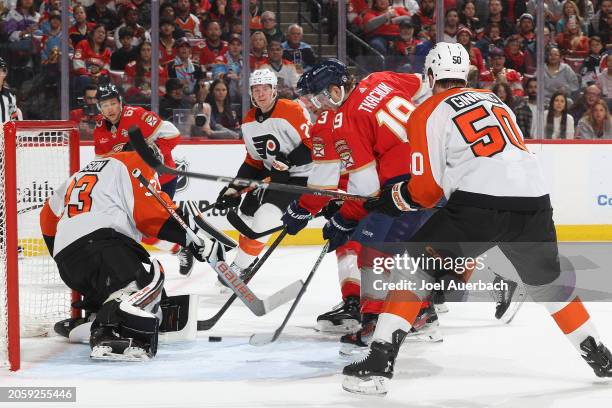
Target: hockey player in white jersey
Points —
{"points": [[92, 225], [469, 149], [277, 142]]}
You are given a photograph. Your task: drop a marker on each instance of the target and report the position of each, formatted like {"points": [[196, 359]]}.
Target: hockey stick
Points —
{"points": [[192, 207], [244, 229], [140, 145], [258, 306], [250, 272], [261, 339]]}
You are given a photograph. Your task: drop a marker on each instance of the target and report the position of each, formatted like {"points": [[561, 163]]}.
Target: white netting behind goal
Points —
{"points": [[42, 163]]}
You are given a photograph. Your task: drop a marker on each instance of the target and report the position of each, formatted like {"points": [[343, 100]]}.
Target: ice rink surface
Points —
{"points": [[481, 362]]}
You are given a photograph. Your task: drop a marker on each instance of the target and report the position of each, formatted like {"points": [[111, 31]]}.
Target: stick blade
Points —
{"points": [[286, 294], [263, 339]]}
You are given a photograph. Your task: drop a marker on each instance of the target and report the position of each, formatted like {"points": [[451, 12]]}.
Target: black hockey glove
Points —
{"points": [[337, 231], [228, 198], [279, 173], [295, 218], [393, 200], [331, 208]]}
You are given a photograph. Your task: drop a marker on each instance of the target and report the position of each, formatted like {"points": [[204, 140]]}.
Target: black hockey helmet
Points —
{"points": [[303, 84], [328, 72], [108, 91]]}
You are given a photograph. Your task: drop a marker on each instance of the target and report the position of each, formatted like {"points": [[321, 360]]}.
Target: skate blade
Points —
{"points": [[517, 301], [131, 354], [347, 326], [374, 385], [441, 308], [432, 335], [351, 350]]}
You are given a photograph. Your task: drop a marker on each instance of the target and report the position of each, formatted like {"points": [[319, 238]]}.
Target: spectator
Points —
{"points": [[515, 58], [141, 67], [552, 9], [492, 39], [52, 41], [81, 28], [221, 12], [558, 76], [21, 23], [559, 123], [424, 19], [140, 93], [270, 28], [381, 24], [91, 59], [46, 9], [100, 14], [182, 67], [504, 93], [222, 112], [235, 28], [255, 13], [571, 41], [297, 51], [229, 67], [201, 109], [596, 123], [499, 73], [527, 109], [496, 16], [214, 45], [166, 13], [604, 79], [187, 21], [587, 11], [258, 55], [86, 115], [286, 71], [130, 19], [464, 37], [591, 94], [569, 9], [174, 99], [143, 8], [167, 48], [406, 44], [127, 53], [467, 18], [451, 25], [526, 32], [590, 67], [599, 23]]}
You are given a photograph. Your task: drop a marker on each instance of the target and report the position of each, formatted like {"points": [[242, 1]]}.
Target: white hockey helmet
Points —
{"points": [[262, 77], [447, 61]]}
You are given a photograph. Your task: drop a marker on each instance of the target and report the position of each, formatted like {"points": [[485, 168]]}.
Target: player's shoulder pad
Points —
{"points": [[292, 111]]}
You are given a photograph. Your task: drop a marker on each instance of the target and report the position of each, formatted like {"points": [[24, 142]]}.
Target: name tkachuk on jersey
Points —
{"points": [[280, 130], [104, 195], [480, 151], [370, 135]]}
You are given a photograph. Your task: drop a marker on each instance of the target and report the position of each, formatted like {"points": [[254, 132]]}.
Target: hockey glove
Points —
{"points": [[337, 231], [279, 173], [393, 200], [228, 198], [331, 208], [202, 248], [295, 218]]}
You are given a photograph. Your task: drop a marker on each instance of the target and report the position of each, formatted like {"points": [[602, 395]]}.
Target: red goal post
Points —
{"points": [[35, 157]]}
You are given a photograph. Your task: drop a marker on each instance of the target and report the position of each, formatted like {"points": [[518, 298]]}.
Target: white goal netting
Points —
{"points": [[42, 163]]}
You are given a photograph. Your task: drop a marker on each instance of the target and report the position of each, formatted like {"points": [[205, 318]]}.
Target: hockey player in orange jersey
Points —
{"points": [[467, 147], [92, 225], [275, 133]]}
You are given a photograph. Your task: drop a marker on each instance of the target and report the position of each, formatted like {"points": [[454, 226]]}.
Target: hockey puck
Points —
{"points": [[214, 338]]}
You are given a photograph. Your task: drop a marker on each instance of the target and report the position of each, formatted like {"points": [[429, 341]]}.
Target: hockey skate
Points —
{"points": [[107, 345], [597, 356], [426, 327], [185, 262], [509, 301], [439, 301], [343, 318], [357, 342], [369, 376]]}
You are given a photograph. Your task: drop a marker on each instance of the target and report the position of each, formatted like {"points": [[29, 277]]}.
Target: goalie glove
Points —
{"points": [[202, 248], [393, 200]]}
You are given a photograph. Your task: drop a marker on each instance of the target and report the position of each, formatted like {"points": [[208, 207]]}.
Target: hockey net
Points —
{"points": [[35, 158]]}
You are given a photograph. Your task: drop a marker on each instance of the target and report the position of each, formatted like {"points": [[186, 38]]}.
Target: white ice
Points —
{"points": [[481, 363]]}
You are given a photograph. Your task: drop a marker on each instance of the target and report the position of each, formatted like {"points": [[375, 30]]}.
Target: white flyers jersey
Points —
{"points": [[468, 140], [281, 130], [104, 194]]}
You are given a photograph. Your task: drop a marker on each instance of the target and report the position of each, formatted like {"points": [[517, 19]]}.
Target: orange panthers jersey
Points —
{"points": [[104, 194]]}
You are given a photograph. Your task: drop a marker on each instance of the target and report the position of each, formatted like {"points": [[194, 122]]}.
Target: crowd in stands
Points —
{"points": [[200, 50]]}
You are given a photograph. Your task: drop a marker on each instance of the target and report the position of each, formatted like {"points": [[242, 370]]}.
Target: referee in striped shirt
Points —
{"points": [[8, 102]]}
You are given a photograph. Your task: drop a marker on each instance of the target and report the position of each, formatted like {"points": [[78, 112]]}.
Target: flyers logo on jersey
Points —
{"points": [[266, 145]]}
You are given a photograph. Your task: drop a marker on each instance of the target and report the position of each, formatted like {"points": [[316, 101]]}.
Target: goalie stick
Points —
{"points": [[140, 145], [261, 339], [250, 272], [258, 306]]}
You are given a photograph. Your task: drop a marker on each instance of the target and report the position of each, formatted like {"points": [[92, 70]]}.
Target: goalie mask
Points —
{"points": [[263, 77], [447, 61]]}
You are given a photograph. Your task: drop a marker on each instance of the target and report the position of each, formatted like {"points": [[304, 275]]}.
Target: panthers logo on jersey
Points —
{"points": [[266, 145]]}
